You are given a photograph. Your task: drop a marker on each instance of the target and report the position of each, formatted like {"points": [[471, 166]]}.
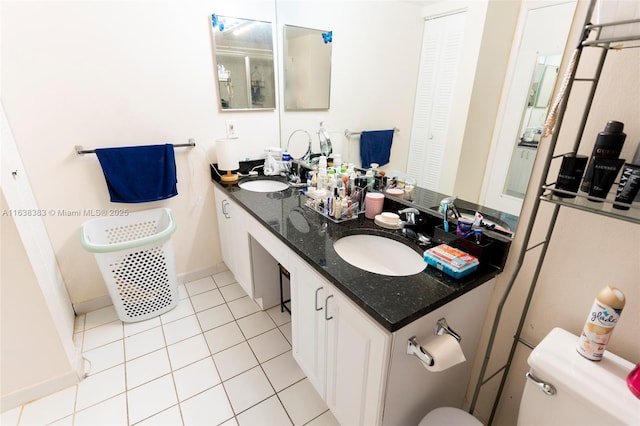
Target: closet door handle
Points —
{"points": [[326, 307], [316, 301]]}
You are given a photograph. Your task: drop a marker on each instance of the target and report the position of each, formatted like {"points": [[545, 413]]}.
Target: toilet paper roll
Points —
{"points": [[446, 352]]}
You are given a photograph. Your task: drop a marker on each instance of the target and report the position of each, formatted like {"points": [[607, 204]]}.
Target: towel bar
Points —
{"points": [[81, 151], [348, 134]]}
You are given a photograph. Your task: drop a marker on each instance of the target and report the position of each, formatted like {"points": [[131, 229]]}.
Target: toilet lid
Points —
{"points": [[444, 416]]}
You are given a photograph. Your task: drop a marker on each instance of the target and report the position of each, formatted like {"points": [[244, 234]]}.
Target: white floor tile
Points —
{"points": [[100, 317], [210, 407], [143, 343], [65, 421], [268, 345], [279, 317], [188, 351], [147, 368], [48, 409], [181, 329], [266, 413], [104, 357], [324, 419], [207, 300], [248, 389], [302, 402], [102, 334], [286, 331], [169, 417], [182, 292], [283, 371], [10, 417], [100, 387], [232, 292], [214, 317], [200, 286], [151, 398], [255, 324], [183, 309], [195, 378], [131, 328], [224, 278], [234, 361], [243, 307], [223, 337], [113, 411]]}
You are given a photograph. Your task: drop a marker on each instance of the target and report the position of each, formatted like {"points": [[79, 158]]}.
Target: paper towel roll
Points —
{"points": [[445, 350]]}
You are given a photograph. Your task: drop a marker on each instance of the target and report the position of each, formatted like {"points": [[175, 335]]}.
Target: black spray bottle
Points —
{"points": [[608, 145]]}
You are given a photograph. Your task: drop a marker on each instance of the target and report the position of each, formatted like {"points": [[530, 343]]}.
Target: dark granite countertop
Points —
{"points": [[393, 302]]}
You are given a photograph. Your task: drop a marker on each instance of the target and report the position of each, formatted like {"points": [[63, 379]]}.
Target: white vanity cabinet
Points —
{"points": [[234, 238], [344, 354]]}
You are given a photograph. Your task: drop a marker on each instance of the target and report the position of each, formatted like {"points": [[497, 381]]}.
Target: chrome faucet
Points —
{"points": [[410, 213]]}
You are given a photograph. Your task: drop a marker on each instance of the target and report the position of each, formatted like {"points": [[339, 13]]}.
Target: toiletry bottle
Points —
{"points": [[602, 318], [629, 182], [608, 145]]}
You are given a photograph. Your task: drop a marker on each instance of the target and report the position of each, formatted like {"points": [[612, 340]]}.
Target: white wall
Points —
{"points": [[102, 74]]}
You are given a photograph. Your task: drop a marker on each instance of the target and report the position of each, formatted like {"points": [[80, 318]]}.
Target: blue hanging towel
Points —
{"points": [[375, 147], [139, 174]]}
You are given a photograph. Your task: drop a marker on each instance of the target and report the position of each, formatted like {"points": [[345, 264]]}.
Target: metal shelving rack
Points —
{"points": [[592, 37]]}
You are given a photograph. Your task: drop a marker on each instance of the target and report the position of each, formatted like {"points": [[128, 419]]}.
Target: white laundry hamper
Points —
{"points": [[135, 256]]}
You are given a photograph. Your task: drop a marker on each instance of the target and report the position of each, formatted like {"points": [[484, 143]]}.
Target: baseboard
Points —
{"points": [[104, 301], [38, 390]]}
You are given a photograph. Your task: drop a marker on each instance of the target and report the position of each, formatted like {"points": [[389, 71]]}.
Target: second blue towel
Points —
{"points": [[375, 147]]}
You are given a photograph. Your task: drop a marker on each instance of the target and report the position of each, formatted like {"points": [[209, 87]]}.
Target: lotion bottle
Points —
{"points": [[603, 317]]}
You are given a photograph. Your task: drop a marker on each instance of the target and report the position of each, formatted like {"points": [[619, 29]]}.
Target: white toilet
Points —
{"points": [[586, 392]]}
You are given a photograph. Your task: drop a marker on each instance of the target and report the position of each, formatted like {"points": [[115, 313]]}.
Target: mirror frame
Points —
{"points": [[254, 53]]}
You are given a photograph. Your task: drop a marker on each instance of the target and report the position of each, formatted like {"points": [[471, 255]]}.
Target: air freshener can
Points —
{"points": [[603, 317]]}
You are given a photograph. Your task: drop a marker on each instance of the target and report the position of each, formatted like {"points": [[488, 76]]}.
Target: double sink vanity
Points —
{"points": [[350, 327]]}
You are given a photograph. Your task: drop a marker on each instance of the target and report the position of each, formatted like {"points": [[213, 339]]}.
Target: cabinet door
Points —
{"points": [[308, 291], [234, 239], [357, 363], [223, 212]]}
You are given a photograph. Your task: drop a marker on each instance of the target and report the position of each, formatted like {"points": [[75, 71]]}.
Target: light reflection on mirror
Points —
{"points": [[243, 52], [307, 68], [540, 90]]}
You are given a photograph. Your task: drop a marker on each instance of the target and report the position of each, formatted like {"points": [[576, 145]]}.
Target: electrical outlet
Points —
{"points": [[232, 129]]}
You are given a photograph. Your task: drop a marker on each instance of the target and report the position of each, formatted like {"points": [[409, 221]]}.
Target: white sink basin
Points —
{"points": [[380, 255], [263, 185]]}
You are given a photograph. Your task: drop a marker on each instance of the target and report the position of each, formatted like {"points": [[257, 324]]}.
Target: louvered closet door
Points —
{"points": [[439, 61]]}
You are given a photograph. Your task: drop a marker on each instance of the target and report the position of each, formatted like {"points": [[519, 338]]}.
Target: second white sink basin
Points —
{"points": [[263, 185], [379, 255]]}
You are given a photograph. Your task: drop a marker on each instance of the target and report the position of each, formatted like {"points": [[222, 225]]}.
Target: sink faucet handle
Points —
{"points": [[409, 210]]}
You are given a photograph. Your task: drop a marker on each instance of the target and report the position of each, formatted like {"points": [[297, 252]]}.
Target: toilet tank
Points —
{"points": [[587, 392]]}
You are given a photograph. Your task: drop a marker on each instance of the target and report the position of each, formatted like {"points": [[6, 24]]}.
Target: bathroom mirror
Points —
{"points": [[543, 80], [244, 69], [307, 68]]}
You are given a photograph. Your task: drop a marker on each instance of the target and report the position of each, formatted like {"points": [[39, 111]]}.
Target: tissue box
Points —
{"points": [[452, 261]]}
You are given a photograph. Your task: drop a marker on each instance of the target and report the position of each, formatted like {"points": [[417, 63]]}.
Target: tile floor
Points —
{"points": [[214, 359]]}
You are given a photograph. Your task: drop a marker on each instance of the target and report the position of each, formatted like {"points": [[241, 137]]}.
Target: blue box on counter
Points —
{"points": [[452, 261]]}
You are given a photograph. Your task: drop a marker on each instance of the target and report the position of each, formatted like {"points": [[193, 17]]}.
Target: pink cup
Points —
{"points": [[373, 204]]}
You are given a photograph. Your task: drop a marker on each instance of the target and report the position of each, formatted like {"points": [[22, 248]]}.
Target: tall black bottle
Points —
{"points": [[608, 145]]}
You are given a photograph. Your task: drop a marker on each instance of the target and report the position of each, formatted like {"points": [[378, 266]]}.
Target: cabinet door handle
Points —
{"points": [[326, 307], [225, 212], [316, 301]]}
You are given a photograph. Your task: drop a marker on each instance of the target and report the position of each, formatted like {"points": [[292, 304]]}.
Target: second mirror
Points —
{"points": [[307, 68]]}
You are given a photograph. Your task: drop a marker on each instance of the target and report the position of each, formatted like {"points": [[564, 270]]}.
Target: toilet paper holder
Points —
{"points": [[414, 348]]}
